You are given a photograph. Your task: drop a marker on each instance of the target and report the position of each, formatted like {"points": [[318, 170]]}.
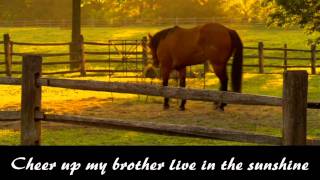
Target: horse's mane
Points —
{"points": [[156, 39]]}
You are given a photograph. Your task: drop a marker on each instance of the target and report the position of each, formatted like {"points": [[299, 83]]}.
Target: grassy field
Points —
{"points": [[251, 35], [262, 120]]}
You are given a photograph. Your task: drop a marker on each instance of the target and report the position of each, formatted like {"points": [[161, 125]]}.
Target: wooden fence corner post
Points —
{"points": [[295, 91], [82, 57], [145, 50], [261, 57], [31, 101], [285, 57], [313, 59], [8, 54]]}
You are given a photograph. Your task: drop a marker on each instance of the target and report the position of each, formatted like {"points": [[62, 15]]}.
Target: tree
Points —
{"points": [[249, 10], [150, 9], [305, 13], [49, 9], [186, 8], [95, 9], [12, 9]]}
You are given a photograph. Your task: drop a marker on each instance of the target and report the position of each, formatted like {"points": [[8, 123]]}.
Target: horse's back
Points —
{"points": [[196, 45], [208, 34], [216, 41], [184, 37], [215, 34], [180, 44]]}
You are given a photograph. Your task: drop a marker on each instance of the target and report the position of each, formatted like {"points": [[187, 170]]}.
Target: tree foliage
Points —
{"points": [[35, 9], [305, 13], [109, 10], [119, 9], [249, 10]]}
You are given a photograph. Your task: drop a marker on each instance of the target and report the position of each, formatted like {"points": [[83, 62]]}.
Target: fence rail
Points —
{"points": [[152, 90], [113, 53], [109, 44], [16, 115], [40, 44], [294, 104], [61, 62], [42, 54], [126, 52], [10, 81], [186, 130], [151, 127], [124, 22], [10, 115], [156, 90], [112, 61], [61, 72]]}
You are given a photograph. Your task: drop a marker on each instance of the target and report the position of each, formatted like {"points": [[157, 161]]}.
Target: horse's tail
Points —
{"points": [[237, 47]]}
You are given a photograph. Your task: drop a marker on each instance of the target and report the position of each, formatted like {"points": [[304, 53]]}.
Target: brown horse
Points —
{"points": [[176, 48]]}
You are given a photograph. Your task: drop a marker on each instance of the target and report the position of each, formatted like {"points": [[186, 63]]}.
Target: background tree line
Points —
{"points": [[248, 10], [305, 13]]}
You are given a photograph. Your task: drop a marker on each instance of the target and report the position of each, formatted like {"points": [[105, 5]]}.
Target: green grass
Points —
{"points": [[86, 136], [255, 119]]}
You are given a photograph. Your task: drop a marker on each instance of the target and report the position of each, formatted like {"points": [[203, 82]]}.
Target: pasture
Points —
{"points": [[266, 120], [250, 34]]}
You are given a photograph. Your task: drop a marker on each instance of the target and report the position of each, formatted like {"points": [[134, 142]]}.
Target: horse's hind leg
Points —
{"points": [[182, 76], [165, 82], [221, 72]]}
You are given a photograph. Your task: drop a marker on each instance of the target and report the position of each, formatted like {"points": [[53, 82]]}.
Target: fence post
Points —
{"points": [[8, 54], [206, 67], [82, 57], [31, 100], [76, 32], [261, 57], [295, 103], [285, 57], [313, 59], [145, 50], [75, 54], [176, 21]]}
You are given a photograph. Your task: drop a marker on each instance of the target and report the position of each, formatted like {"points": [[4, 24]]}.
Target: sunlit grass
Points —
{"points": [[8, 133]]}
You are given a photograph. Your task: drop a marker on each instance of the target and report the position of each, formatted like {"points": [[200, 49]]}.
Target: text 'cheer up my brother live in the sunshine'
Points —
{"points": [[30, 164]]}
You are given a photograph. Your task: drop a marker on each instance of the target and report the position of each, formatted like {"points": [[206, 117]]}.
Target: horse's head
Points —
{"points": [[153, 47]]}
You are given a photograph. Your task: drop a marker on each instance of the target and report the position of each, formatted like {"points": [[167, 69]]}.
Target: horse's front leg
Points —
{"points": [[165, 83], [182, 76], [221, 72]]}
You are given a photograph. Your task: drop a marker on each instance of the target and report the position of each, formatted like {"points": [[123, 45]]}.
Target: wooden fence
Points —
{"points": [[294, 104], [120, 52], [122, 22], [285, 59], [128, 53]]}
